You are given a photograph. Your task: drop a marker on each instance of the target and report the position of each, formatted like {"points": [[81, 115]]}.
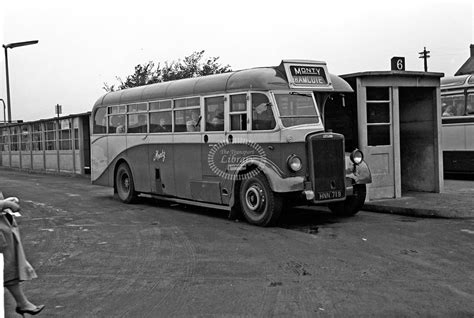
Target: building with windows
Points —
{"points": [[52, 145]]}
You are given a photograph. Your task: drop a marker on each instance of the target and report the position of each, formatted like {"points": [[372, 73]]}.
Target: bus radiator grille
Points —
{"points": [[328, 166]]}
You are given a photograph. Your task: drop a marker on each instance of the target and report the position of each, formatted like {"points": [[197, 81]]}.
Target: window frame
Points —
{"points": [[461, 94], [52, 131], [184, 109], [234, 113], [160, 110], [204, 105], [384, 124], [274, 109]]}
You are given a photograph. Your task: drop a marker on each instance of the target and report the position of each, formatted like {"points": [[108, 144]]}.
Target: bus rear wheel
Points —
{"points": [[124, 184], [352, 204], [260, 205]]}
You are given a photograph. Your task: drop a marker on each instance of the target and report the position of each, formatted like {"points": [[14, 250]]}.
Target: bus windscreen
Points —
{"points": [[296, 109]]}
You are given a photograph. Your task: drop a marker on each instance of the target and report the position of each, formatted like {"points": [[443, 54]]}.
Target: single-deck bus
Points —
{"points": [[249, 141], [457, 99]]}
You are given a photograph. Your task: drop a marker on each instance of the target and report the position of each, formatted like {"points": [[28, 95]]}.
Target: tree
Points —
{"points": [[190, 66]]}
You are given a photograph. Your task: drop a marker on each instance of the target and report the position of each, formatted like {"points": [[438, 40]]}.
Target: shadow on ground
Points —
{"points": [[303, 219]]}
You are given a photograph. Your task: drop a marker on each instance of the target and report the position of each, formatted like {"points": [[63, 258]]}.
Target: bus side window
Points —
{"points": [[187, 120], [193, 120], [238, 112], [100, 123], [214, 113], [160, 122], [117, 124], [262, 113], [137, 123], [470, 104], [453, 106]]}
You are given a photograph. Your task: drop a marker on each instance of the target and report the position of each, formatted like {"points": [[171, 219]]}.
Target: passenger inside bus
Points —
{"points": [[453, 107], [118, 122], [216, 123], [470, 105], [160, 122], [263, 117], [193, 123], [163, 125]]}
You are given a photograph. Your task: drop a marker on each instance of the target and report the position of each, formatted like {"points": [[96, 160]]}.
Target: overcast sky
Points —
{"points": [[84, 44]]}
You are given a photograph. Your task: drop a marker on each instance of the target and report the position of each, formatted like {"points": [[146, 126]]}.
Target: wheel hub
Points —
{"points": [[126, 183], [254, 197]]}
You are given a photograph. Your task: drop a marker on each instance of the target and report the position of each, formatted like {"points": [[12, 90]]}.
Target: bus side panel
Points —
{"points": [[470, 135], [458, 147], [187, 163], [458, 161], [454, 136], [161, 158], [280, 153], [99, 162], [116, 146], [137, 156]]}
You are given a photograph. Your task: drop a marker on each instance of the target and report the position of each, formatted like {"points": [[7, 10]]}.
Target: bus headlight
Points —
{"points": [[294, 163], [357, 156]]}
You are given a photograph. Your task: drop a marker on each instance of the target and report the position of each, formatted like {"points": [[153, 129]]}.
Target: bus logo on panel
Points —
{"points": [[312, 75]]}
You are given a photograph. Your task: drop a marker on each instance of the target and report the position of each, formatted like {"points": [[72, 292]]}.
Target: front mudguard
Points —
{"points": [[274, 175], [359, 174]]}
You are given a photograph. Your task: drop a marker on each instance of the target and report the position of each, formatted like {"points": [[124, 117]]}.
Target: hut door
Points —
{"points": [[380, 148]]}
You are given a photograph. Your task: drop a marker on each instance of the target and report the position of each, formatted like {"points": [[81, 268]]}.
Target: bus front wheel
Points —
{"points": [[124, 184], [260, 205], [352, 204]]}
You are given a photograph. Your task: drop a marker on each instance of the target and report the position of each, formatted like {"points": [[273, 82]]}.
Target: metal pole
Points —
{"points": [[424, 55], [6, 47], [8, 84], [426, 59], [4, 116]]}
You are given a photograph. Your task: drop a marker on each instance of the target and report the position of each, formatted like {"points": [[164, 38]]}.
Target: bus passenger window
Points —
{"points": [[470, 104], [238, 122], [117, 124], [137, 107], [262, 113], [187, 120], [214, 112], [164, 104], [192, 124], [160, 122], [100, 123], [452, 105], [238, 112], [137, 123]]}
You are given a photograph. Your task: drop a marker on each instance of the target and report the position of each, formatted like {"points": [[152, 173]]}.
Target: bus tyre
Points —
{"points": [[124, 184], [260, 205], [352, 204]]}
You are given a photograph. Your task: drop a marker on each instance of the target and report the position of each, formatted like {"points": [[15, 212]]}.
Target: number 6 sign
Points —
{"points": [[398, 63]]}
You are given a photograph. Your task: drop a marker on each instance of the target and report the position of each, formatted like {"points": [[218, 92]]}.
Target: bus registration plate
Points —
{"points": [[328, 195]]}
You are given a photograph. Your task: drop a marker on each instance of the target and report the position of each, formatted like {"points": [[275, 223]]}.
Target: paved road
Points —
{"points": [[97, 257]]}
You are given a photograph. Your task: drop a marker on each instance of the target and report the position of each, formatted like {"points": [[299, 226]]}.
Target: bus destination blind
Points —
{"points": [[308, 75]]}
